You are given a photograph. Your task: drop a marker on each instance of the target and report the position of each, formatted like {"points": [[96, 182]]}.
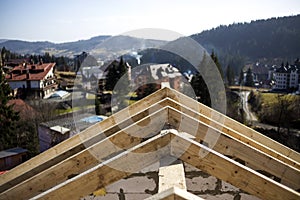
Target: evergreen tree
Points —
{"points": [[241, 77], [200, 89], [117, 75], [216, 61], [249, 78], [115, 72], [230, 75], [8, 117]]}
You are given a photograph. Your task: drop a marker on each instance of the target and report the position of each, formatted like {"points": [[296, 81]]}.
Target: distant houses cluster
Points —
{"points": [[283, 78], [286, 77]]}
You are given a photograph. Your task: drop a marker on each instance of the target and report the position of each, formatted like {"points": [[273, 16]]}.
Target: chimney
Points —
{"points": [[27, 74]]}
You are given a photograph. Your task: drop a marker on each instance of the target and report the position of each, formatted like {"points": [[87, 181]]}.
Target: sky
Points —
{"points": [[71, 20]]}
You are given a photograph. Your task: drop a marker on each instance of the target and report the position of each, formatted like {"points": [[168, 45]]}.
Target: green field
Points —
{"points": [[274, 108]]}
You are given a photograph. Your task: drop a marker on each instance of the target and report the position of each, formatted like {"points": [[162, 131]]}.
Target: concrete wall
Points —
{"points": [[145, 183]]}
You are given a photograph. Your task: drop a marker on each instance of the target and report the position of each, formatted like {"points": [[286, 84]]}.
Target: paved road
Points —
{"points": [[251, 117]]}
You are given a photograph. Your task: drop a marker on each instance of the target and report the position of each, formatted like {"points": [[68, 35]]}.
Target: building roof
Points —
{"points": [[60, 94], [164, 124], [12, 152], [158, 71], [164, 70], [259, 69], [29, 72], [60, 129], [286, 69], [94, 72], [74, 123], [22, 107]]}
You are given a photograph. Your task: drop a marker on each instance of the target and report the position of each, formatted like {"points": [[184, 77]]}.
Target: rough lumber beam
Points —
{"points": [[227, 121], [218, 125], [228, 170], [80, 141], [171, 176], [211, 122], [99, 152], [230, 146], [132, 160], [174, 193]]}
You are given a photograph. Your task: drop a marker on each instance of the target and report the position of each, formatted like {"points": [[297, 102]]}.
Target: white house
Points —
{"points": [[286, 77], [33, 80]]}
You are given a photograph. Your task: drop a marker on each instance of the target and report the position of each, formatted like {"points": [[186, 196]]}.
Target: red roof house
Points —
{"points": [[33, 80]]}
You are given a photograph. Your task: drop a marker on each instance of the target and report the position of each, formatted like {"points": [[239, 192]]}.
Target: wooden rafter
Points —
{"points": [[234, 148], [170, 144], [227, 121], [79, 142], [55, 172], [93, 155], [228, 170]]}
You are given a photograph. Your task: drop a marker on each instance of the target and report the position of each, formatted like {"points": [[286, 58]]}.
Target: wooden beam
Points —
{"points": [[231, 132], [234, 133], [174, 193], [132, 160], [230, 146], [95, 154], [80, 141], [171, 176], [228, 170], [227, 121]]}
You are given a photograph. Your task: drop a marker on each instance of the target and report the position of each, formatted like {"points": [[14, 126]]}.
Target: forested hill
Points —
{"points": [[271, 38]]}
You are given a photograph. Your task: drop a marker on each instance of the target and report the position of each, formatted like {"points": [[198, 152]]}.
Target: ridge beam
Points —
{"points": [[228, 170]]}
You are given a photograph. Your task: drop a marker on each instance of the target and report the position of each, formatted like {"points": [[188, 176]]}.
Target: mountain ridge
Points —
{"points": [[234, 44]]}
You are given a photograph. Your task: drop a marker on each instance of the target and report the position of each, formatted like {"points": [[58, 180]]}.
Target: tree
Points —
{"points": [[8, 117], [241, 77], [117, 76], [115, 72], [281, 108], [230, 75], [216, 61], [249, 78], [200, 89]]}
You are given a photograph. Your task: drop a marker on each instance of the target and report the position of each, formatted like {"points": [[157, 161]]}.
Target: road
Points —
{"points": [[250, 116]]}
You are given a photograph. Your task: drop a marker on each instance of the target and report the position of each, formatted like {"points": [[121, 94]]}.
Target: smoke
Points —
{"points": [[136, 56]]}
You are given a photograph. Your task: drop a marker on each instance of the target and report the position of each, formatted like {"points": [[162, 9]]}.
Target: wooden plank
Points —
{"points": [[132, 160], [174, 193], [230, 146], [231, 132], [78, 142], [171, 176], [233, 124], [99, 152], [228, 170]]}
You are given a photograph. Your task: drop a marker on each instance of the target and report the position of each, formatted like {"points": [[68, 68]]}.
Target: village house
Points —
{"points": [[32, 80], [158, 74], [286, 77], [10, 158], [55, 131]]}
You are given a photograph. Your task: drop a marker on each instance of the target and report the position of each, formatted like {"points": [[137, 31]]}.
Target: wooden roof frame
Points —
{"points": [[65, 160]]}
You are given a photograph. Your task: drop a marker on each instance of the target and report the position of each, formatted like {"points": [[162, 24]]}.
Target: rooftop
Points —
{"points": [[29, 72], [12, 152]]}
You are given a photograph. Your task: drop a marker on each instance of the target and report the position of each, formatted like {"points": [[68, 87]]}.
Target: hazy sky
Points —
{"points": [[71, 20]]}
